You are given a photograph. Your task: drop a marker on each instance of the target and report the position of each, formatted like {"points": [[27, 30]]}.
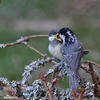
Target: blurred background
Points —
{"points": [[30, 17]]}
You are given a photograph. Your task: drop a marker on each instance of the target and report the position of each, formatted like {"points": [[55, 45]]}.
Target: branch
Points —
{"points": [[10, 92], [40, 53], [22, 40], [96, 92], [37, 51], [82, 90], [88, 71], [46, 86], [4, 84], [93, 75], [88, 61], [96, 87], [53, 82]]}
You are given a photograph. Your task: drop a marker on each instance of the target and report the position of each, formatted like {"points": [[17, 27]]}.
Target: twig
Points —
{"points": [[53, 82], [93, 75], [40, 53], [96, 87], [46, 86], [81, 93], [8, 89], [74, 95], [10, 92], [22, 40], [82, 90], [96, 92], [37, 51], [87, 71], [98, 79], [88, 61]]}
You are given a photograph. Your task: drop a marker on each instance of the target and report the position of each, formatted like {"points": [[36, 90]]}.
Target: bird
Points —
{"points": [[55, 45], [59, 43], [72, 52]]}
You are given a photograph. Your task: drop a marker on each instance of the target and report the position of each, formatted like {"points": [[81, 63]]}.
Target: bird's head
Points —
{"points": [[52, 36], [65, 35]]}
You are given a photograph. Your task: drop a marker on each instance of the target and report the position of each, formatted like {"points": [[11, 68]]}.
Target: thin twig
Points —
{"points": [[23, 39], [93, 75], [88, 61], [88, 71], [37, 51], [46, 86], [40, 53], [74, 95], [53, 82], [96, 87], [10, 92], [82, 90], [81, 93], [96, 92]]}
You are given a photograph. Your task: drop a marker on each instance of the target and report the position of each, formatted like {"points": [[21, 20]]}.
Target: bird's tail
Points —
{"points": [[73, 84]]}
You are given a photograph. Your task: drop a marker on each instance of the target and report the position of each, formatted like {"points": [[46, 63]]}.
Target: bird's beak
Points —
{"points": [[58, 38]]}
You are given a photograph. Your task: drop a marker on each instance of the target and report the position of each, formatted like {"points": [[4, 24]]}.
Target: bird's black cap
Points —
{"points": [[66, 31], [69, 35]]}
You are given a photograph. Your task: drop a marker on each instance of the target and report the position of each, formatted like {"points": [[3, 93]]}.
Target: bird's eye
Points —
{"points": [[58, 38]]}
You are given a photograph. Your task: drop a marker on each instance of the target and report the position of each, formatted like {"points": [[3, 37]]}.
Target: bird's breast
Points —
{"points": [[55, 50]]}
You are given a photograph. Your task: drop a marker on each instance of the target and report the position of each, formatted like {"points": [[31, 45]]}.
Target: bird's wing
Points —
{"points": [[73, 57], [72, 60]]}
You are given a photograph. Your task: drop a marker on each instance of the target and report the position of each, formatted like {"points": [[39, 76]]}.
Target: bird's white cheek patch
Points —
{"points": [[51, 38], [63, 38]]}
